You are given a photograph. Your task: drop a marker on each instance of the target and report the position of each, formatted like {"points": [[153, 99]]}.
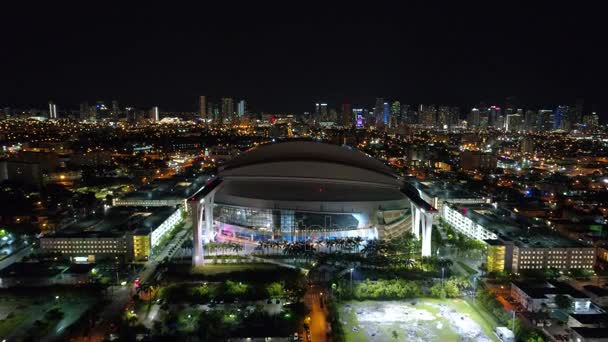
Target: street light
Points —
{"points": [[351, 280], [513, 321]]}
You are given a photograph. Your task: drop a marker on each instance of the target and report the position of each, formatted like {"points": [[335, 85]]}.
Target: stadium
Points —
{"points": [[301, 190]]}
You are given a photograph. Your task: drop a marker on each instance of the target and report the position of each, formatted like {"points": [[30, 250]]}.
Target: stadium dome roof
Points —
{"points": [[300, 153]]}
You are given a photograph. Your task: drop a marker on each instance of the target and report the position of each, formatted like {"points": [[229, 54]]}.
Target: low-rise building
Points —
{"points": [[122, 233], [588, 335], [162, 193], [598, 320], [534, 296], [436, 193], [523, 247]]}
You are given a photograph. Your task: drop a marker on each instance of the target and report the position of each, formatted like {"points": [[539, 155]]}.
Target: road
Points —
{"points": [[25, 251], [318, 315]]}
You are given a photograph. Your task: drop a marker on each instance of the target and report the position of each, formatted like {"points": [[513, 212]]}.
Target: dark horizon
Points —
{"points": [[284, 58]]}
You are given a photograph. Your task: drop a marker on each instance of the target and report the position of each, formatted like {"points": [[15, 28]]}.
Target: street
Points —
{"points": [[318, 314]]}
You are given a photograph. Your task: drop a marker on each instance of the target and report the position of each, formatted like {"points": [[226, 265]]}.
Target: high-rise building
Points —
{"points": [[52, 110], [494, 115], [346, 118], [405, 117], [559, 115], [473, 118], [531, 120], [395, 118], [154, 114], [241, 108], [202, 108], [84, 110], [359, 115], [227, 112], [443, 117], [454, 116], [323, 114], [578, 117], [102, 111], [591, 120], [545, 120], [427, 115], [386, 112], [514, 122], [116, 114], [378, 111]]}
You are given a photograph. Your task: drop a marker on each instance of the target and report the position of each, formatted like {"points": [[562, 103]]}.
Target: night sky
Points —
{"points": [[282, 58]]}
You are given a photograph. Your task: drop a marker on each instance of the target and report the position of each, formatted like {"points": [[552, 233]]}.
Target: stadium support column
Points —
{"points": [[197, 209], [209, 201], [427, 227], [415, 220], [202, 214]]}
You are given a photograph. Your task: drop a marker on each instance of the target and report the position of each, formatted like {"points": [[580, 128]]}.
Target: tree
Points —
{"points": [[275, 289], [563, 302], [395, 334]]}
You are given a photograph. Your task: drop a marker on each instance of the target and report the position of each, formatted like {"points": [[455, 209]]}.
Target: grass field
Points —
{"points": [[414, 320], [8, 325], [227, 268]]}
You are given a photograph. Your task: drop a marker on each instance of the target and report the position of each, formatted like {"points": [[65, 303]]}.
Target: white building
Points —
{"points": [[541, 296], [522, 247]]}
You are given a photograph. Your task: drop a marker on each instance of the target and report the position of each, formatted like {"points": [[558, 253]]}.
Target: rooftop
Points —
{"points": [[543, 289], [116, 222], [509, 228], [309, 151], [592, 332], [175, 188], [445, 190]]}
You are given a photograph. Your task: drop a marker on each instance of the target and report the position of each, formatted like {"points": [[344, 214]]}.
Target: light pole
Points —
{"points": [[442, 272], [513, 322], [351, 280]]}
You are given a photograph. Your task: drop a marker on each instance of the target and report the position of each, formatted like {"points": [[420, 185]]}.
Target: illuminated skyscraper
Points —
{"points": [[346, 116], [560, 117], [378, 109], [493, 116], [531, 120], [386, 113], [323, 114], [406, 115], [427, 115], [241, 108], [84, 110], [227, 112], [514, 122], [202, 107], [545, 120], [592, 120], [52, 110], [395, 118], [154, 114], [359, 117], [443, 117], [473, 118], [116, 114]]}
